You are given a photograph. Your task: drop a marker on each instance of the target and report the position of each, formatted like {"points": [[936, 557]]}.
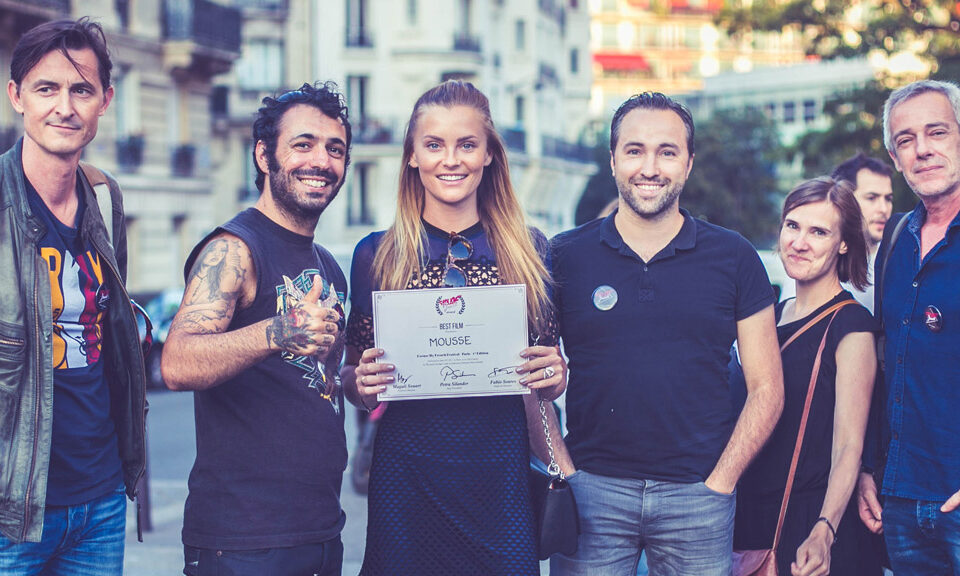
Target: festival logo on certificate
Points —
{"points": [[451, 305]]}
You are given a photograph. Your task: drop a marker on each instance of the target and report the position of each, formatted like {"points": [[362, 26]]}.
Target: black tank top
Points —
{"points": [[271, 449]]}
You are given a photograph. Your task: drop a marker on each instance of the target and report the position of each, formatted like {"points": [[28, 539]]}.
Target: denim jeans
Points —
{"points": [[320, 559], [82, 540], [685, 529], [920, 538]]}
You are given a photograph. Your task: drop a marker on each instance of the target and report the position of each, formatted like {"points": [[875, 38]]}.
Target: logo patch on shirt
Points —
{"points": [[605, 297]]}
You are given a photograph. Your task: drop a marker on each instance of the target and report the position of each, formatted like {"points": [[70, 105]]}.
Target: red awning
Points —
{"points": [[619, 61]]}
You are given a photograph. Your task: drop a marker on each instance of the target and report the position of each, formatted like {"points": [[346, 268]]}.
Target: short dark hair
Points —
{"points": [[651, 101], [852, 266], [322, 96], [60, 35], [849, 168]]}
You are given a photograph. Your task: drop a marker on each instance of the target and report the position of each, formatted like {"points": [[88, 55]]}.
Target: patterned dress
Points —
{"points": [[448, 487]]}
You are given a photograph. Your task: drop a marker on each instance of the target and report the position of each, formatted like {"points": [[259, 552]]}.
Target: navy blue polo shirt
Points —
{"points": [[648, 345]]}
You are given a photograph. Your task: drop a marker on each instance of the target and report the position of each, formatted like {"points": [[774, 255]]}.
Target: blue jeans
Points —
{"points": [[920, 538], [685, 529], [320, 559], [82, 540]]}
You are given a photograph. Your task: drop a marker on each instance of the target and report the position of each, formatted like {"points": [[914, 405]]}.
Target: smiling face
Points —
{"points": [[306, 171], [450, 152], [651, 161], [61, 105], [811, 242], [874, 194], [926, 141]]}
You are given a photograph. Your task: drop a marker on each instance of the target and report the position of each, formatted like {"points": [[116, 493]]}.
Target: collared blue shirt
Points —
{"points": [[922, 364], [649, 342]]}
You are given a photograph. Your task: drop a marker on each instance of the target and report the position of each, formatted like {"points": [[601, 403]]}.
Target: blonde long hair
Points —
{"points": [[403, 252]]}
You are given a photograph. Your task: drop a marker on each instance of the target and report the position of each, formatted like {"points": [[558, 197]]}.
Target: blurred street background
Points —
{"points": [[780, 90]]}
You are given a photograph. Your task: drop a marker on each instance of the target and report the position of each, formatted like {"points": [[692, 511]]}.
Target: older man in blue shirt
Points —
{"points": [[920, 308]]}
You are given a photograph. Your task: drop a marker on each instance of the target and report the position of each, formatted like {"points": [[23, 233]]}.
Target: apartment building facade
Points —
{"points": [[531, 58], [156, 136], [671, 46]]}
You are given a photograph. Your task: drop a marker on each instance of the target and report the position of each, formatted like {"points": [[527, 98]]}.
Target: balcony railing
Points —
{"points": [[552, 9], [359, 38], [183, 160], [270, 5], [58, 5], [204, 22], [130, 152], [557, 148], [514, 139], [465, 42], [548, 74], [374, 131]]}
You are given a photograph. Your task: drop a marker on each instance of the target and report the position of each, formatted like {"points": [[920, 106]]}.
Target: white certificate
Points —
{"points": [[451, 342]]}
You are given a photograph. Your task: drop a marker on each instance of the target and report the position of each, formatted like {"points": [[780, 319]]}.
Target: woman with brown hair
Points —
{"points": [[448, 489], [821, 245]]}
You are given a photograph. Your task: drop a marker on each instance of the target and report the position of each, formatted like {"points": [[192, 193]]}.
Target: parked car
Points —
{"points": [[161, 309]]}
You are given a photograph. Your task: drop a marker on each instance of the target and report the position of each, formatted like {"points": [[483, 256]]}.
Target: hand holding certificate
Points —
{"points": [[452, 342]]}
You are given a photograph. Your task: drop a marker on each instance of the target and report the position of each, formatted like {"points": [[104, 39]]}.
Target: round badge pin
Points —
{"points": [[933, 319], [604, 297]]}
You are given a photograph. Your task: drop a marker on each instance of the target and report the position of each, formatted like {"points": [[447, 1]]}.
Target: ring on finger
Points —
{"points": [[548, 372]]}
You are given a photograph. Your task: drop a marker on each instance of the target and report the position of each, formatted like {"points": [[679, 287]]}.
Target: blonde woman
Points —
{"points": [[448, 489]]}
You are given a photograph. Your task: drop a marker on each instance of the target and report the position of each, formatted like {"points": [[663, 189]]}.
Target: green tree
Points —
{"points": [[930, 29], [734, 178], [856, 125], [733, 182], [838, 28], [601, 189]]}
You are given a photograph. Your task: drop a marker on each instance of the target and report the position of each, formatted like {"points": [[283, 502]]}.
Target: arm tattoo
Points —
{"points": [[287, 331], [214, 287]]}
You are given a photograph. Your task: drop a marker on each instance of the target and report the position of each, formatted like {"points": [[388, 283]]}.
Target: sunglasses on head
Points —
{"points": [[292, 95], [458, 249]]}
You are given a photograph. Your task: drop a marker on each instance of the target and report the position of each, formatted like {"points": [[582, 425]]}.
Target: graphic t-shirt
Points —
{"points": [[84, 458]]}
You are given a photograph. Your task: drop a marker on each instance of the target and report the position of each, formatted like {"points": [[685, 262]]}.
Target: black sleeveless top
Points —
{"points": [[271, 449]]}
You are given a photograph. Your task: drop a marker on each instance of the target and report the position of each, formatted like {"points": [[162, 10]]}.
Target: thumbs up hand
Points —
{"points": [[308, 327]]}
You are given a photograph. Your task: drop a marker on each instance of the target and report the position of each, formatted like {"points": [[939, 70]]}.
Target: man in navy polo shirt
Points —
{"points": [[919, 304], [650, 301]]}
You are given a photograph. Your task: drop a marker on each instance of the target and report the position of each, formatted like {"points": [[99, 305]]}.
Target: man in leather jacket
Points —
{"points": [[72, 389]]}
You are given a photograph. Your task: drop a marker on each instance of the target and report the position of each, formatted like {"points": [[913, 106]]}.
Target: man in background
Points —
{"points": [[874, 193]]}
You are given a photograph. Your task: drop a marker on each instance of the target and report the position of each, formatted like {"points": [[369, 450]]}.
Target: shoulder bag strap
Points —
{"points": [[813, 322], [880, 271], [806, 409], [101, 189]]}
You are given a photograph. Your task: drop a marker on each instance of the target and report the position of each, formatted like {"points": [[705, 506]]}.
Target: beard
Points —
{"points": [[650, 208], [282, 184]]}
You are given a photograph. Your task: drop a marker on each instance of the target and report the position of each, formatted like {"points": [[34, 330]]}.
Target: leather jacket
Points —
{"points": [[26, 351]]}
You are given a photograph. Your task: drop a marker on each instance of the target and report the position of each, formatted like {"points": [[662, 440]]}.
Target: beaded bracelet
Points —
{"points": [[830, 526]]}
